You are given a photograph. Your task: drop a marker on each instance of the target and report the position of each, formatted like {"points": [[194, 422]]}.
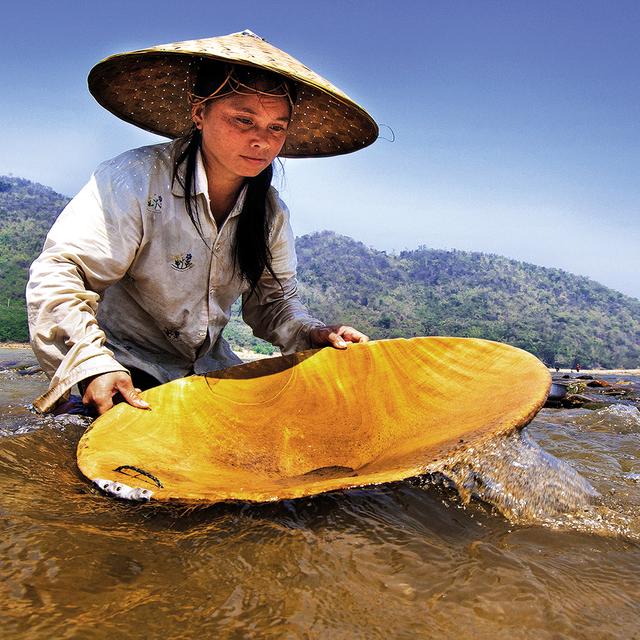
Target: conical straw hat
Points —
{"points": [[316, 421], [150, 88]]}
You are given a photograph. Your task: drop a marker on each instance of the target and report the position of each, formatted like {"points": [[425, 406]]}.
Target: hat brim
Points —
{"points": [[150, 88]]}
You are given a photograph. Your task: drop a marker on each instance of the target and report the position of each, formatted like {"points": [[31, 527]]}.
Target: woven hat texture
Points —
{"points": [[150, 88]]}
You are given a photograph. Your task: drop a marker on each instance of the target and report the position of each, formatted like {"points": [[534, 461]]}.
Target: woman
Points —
{"points": [[167, 237]]}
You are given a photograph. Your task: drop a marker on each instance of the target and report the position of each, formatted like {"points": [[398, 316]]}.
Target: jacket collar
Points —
{"points": [[201, 183]]}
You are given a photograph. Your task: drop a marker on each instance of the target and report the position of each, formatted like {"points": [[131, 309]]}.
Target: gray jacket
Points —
{"points": [[125, 279]]}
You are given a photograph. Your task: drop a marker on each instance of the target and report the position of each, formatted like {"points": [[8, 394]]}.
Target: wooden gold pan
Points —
{"points": [[316, 421]]}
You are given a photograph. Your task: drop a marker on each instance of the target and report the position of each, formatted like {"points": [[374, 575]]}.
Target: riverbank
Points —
{"points": [[247, 355], [15, 345], [598, 372]]}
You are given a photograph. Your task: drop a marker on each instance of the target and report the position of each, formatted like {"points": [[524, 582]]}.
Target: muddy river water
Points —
{"points": [[537, 536]]}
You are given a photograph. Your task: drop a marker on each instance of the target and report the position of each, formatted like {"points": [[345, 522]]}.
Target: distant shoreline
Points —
{"points": [[596, 372], [246, 354], [15, 345], [243, 354]]}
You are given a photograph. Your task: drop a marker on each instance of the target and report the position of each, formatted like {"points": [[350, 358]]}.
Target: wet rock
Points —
{"points": [[614, 392], [598, 383], [585, 377], [594, 394], [29, 371], [575, 400], [558, 390]]}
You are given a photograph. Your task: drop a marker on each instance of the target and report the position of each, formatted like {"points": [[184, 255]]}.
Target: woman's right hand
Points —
{"points": [[101, 389]]}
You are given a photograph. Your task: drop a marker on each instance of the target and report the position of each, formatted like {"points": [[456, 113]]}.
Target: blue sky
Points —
{"points": [[516, 123]]}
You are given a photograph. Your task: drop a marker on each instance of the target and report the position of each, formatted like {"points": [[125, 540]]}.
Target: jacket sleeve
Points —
{"points": [[274, 311], [89, 247]]}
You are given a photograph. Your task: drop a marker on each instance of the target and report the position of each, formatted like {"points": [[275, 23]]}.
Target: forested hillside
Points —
{"points": [[560, 317], [27, 210]]}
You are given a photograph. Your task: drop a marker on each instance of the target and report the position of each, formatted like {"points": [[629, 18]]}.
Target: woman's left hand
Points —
{"points": [[337, 336]]}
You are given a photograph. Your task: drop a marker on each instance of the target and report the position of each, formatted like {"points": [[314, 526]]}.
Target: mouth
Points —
{"points": [[255, 160]]}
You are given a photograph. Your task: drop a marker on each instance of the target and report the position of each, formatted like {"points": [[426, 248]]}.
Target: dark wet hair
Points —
{"points": [[251, 244]]}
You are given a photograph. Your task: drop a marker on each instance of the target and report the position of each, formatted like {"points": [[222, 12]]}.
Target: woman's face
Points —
{"points": [[241, 133]]}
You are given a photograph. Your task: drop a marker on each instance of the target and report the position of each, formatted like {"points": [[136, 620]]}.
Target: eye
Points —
{"points": [[278, 128], [244, 121]]}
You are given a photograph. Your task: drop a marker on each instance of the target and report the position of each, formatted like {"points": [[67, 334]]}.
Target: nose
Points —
{"points": [[260, 139]]}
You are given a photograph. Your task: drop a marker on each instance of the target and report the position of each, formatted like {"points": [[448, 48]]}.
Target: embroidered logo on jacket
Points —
{"points": [[154, 202], [181, 263], [172, 334]]}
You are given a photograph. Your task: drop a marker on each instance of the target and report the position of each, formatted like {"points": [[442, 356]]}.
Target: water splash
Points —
{"points": [[19, 419], [525, 482], [529, 486]]}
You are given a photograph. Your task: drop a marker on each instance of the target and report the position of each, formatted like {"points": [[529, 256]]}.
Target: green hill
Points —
{"points": [[27, 210], [558, 316]]}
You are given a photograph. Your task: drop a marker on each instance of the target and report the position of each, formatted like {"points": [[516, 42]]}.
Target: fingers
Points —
{"points": [[131, 394], [101, 390], [337, 336], [334, 338], [352, 335]]}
